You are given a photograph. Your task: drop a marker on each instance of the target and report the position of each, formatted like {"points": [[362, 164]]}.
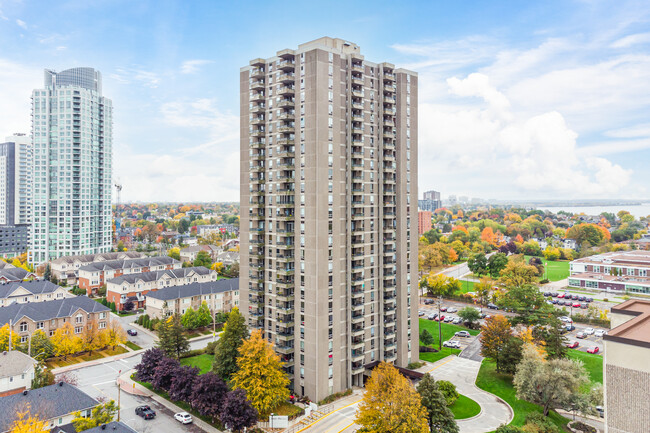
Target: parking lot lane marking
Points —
{"points": [[449, 360]]}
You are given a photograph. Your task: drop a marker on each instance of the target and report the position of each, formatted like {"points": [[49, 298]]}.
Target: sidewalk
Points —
{"points": [[97, 361], [129, 386]]}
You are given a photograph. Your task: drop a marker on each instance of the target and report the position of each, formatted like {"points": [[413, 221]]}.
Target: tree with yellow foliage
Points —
{"points": [[114, 334], [92, 337], [4, 338], [65, 342], [259, 373], [25, 422], [218, 268], [391, 404]]}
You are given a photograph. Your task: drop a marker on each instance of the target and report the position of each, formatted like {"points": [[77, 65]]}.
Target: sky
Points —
{"points": [[518, 99]]}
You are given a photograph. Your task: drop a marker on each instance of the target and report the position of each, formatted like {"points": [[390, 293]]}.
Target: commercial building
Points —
{"points": [[220, 296], [620, 271], [95, 275], [48, 316], [66, 269], [30, 291], [72, 131], [328, 208], [431, 201], [134, 287], [55, 404], [16, 372], [424, 221], [627, 370]]}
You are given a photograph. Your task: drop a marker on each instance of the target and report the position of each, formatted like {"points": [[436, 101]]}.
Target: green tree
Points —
{"points": [[101, 414], [390, 404], [483, 289], [554, 340], [42, 347], [227, 348], [259, 373], [43, 376], [203, 259], [496, 263], [440, 418], [426, 338], [470, 315], [529, 305], [203, 315], [171, 337], [478, 264], [48, 272], [448, 389], [190, 319]]}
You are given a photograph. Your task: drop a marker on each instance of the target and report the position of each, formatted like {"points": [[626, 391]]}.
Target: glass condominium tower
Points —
{"points": [[329, 212], [72, 132]]}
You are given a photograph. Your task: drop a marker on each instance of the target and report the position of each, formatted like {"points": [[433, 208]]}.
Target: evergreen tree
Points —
{"points": [[171, 337], [426, 338], [227, 348], [441, 419]]}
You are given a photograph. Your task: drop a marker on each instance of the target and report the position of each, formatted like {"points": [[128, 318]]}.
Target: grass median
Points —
{"points": [[465, 407], [448, 331]]}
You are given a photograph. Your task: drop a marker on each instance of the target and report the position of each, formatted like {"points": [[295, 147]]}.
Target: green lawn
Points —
{"points": [[437, 356], [131, 345], [466, 286], [555, 270], [465, 407], [448, 331], [203, 362], [592, 362], [501, 385]]}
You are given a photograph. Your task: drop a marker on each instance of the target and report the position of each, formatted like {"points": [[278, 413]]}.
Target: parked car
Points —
{"points": [[589, 331], [554, 294], [440, 319], [589, 299], [599, 333], [561, 295], [594, 349], [492, 306], [145, 412], [553, 301], [547, 294], [449, 319], [457, 321], [572, 344], [570, 327], [581, 335], [462, 334], [565, 319], [454, 344], [601, 411], [183, 417], [584, 306], [581, 298], [420, 313], [443, 309], [432, 316], [452, 310], [132, 332], [576, 305]]}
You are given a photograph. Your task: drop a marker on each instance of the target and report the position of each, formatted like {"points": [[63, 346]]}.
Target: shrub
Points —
{"points": [[538, 423], [544, 281], [509, 429], [448, 389], [191, 353], [210, 348], [335, 396], [424, 349], [415, 365]]}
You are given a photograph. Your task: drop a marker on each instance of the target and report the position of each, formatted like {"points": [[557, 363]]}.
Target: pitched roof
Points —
{"points": [[154, 276], [49, 402], [5, 265], [35, 287], [129, 263], [194, 289], [89, 258], [113, 426], [14, 274], [47, 310], [14, 363]]}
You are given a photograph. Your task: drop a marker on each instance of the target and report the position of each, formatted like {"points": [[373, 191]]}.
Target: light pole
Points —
{"points": [[119, 394], [439, 324]]}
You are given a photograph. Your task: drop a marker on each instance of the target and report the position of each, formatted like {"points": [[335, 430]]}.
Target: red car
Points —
{"points": [[576, 305], [572, 345], [594, 349], [440, 319], [561, 295], [443, 308]]}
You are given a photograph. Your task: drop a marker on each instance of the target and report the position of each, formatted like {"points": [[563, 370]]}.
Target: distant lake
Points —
{"points": [[641, 210]]}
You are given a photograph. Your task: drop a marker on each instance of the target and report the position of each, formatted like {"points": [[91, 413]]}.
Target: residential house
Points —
{"points": [[48, 316], [65, 268], [134, 287], [5, 265], [570, 244], [188, 254], [204, 230], [95, 275], [55, 404], [220, 296], [16, 372], [228, 258], [112, 427], [232, 243], [31, 291], [11, 275]]}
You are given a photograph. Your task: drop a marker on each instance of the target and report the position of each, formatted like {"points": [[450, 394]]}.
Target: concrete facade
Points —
{"points": [[328, 208], [621, 271]]}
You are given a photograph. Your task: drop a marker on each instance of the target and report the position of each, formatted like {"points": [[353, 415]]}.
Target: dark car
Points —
{"points": [[547, 293], [589, 299], [584, 305], [145, 412], [132, 332], [570, 327], [492, 306], [553, 301], [554, 294], [574, 297], [581, 298]]}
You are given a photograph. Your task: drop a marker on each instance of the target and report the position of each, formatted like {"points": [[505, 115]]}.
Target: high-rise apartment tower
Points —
{"points": [[15, 180], [329, 212], [72, 130]]}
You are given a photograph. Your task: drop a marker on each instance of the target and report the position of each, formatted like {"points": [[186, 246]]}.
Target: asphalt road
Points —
{"points": [[143, 339]]}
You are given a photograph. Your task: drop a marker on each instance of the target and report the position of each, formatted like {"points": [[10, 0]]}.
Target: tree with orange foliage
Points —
{"points": [[453, 256], [495, 334], [488, 235], [519, 239], [461, 228]]}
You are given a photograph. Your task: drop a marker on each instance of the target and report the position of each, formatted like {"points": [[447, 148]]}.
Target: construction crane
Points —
{"points": [[118, 219]]}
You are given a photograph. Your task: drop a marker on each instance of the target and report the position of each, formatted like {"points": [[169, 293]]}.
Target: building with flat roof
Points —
{"points": [[329, 144], [424, 221], [430, 202], [620, 271], [627, 368]]}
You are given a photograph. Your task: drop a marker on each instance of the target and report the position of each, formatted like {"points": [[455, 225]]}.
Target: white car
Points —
{"points": [[420, 313], [183, 417], [566, 319], [589, 331], [457, 321], [600, 332], [462, 334], [451, 310], [454, 344]]}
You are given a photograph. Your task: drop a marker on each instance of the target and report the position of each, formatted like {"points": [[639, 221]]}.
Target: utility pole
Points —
{"points": [[119, 394], [439, 324]]}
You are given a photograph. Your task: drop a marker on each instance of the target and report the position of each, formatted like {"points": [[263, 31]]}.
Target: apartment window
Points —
{"points": [[40, 325], [23, 339], [78, 329], [23, 326], [102, 325]]}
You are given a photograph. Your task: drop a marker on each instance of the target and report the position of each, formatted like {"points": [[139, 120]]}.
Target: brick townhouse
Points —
{"points": [[134, 287], [30, 291], [65, 268], [220, 296], [48, 316], [621, 271], [94, 275]]}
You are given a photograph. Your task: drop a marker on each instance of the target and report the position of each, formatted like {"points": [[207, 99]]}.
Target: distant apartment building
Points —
{"points": [[48, 316], [66, 269], [188, 254], [203, 230], [72, 130], [328, 211], [621, 271], [30, 291], [134, 287], [95, 275], [220, 296], [16, 159], [430, 202], [424, 221], [16, 372], [626, 368]]}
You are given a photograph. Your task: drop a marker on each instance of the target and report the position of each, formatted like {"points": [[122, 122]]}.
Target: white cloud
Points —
{"points": [[136, 75], [21, 23], [17, 82], [193, 66], [627, 41]]}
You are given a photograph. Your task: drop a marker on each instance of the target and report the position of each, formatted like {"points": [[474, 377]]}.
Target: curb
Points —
{"points": [[97, 361]]}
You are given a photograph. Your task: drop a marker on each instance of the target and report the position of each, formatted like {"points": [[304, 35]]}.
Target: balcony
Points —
{"points": [[287, 127], [286, 141], [257, 72], [287, 65], [257, 96], [389, 76], [287, 115], [258, 108], [390, 88], [389, 100], [286, 90], [358, 67], [286, 78], [286, 103], [257, 120], [258, 85]]}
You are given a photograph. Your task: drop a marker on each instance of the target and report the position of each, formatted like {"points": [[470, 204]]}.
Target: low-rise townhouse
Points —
{"points": [[95, 275], [31, 291], [228, 258], [189, 254], [65, 269], [220, 296], [55, 404], [16, 372], [621, 271], [10, 275], [48, 316], [134, 287]]}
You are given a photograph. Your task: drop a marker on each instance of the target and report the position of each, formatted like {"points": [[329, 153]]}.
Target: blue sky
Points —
{"points": [[517, 99]]}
